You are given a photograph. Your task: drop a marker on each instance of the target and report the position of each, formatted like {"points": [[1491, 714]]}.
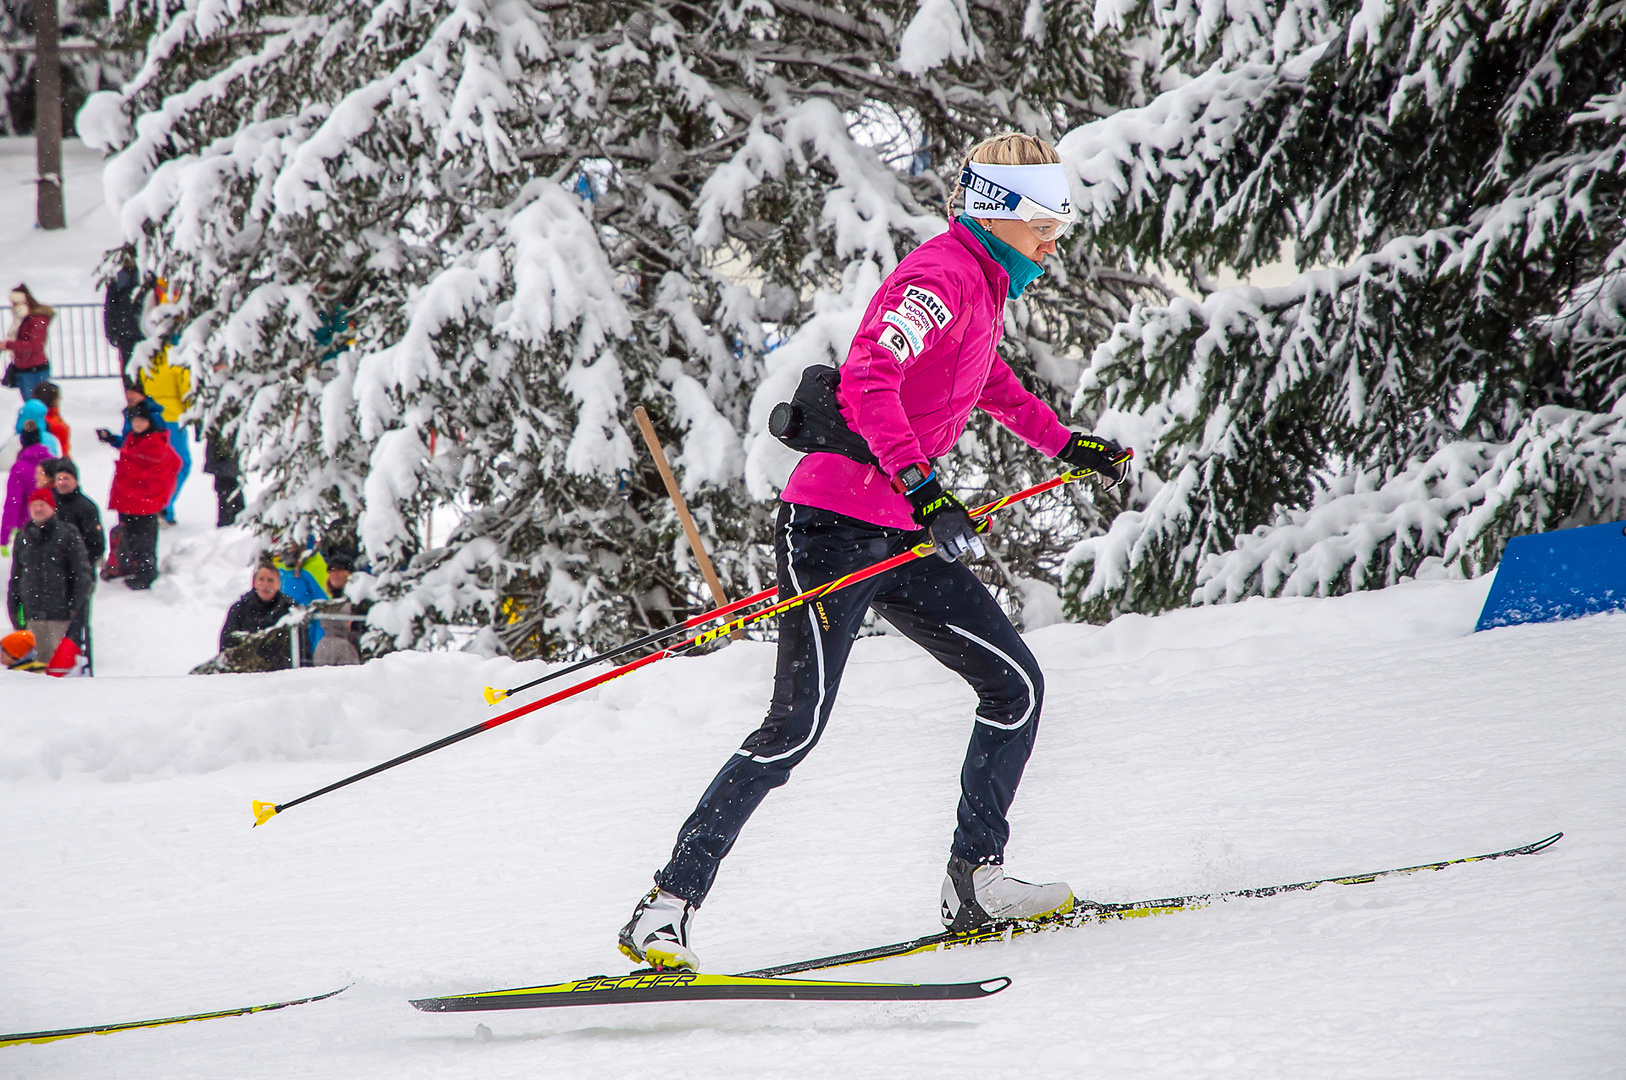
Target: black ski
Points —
{"points": [[1085, 914], [643, 986], [131, 1025]]}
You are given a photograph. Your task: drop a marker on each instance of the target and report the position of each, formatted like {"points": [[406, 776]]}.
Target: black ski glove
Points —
{"points": [[1104, 457], [941, 514]]}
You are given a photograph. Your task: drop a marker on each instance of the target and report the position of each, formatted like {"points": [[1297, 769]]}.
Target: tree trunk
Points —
{"points": [[49, 212]]}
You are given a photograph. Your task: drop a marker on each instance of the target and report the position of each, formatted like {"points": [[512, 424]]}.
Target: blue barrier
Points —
{"points": [[1558, 575]]}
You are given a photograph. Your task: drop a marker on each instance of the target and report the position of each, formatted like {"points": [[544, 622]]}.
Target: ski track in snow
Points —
{"points": [[1251, 744]]}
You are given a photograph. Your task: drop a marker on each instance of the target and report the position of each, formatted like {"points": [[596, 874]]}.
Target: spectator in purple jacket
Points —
{"points": [[24, 477]]}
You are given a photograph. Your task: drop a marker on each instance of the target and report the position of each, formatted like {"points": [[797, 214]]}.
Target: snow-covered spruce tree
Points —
{"points": [[1450, 369], [523, 218]]}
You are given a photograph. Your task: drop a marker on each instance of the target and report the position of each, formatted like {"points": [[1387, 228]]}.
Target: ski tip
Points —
{"points": [[263, 812], [493, 695], [990, 987]]}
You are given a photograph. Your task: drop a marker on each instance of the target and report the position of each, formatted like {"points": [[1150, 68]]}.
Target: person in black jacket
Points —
{"points": [[76, 508], [220, 462], [121, 312], [259, 609], [51, 579]]}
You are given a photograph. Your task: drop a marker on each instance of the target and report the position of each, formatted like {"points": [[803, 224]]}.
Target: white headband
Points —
{"points": [[1023, 192]]}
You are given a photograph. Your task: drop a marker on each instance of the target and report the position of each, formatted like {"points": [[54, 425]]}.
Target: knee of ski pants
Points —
{"points": [[787, 736], [1009, 698]]}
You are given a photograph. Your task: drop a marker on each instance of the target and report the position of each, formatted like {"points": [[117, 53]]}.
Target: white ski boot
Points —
{"points": [[974, 896], [658, 933]]}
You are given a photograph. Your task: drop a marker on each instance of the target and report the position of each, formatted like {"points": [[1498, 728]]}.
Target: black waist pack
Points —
{"points": [[811, 421]]}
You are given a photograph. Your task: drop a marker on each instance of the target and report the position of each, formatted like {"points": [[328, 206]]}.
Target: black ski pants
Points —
{"points": [[138, 547], [229, 499], [939, 605]]}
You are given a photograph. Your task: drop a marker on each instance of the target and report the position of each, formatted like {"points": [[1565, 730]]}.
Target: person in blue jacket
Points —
{"points": [[303, 571], [133, 396], [35, 409]]}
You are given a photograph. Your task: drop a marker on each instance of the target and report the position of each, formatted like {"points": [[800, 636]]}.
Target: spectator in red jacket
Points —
{"points": [[50, 395], [31, 319], [143, 481]]}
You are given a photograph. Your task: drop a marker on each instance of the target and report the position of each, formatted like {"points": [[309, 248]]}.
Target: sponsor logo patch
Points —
{"points": [[931, 303], [894, 342], [917, 316], [912, 331]]}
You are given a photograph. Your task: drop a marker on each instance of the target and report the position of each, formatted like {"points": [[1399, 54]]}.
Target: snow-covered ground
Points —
{"points": [[1260, 743], [59, 266], [1265, 742]]}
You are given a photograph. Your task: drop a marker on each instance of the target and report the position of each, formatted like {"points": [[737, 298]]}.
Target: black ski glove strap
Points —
{"points": [[1102, 456], [945, 517]]}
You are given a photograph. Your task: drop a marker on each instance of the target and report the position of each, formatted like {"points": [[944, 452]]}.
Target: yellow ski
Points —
{"points": [[131, 1025], [643, 986]]}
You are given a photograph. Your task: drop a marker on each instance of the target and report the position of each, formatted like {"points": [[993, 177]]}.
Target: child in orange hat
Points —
{"points": [[17, 652]]}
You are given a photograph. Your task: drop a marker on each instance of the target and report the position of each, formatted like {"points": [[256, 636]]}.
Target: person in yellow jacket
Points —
{"points": [[170, 386]]}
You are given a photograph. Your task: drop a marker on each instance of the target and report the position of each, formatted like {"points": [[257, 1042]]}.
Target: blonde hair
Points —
{"points": [[1012, 148]]}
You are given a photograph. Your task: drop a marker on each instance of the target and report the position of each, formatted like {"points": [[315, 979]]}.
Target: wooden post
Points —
{"points": [[48, 207], [706, 569]]}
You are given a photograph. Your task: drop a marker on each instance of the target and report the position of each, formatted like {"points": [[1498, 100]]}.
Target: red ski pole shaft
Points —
{"points": [[264, 811], [493, 695]]}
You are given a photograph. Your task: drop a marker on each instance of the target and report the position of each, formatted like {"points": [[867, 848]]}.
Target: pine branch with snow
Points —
{"points": [[1465, 191]]}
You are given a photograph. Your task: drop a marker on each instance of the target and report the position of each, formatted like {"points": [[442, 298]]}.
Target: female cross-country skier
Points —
{"points": [[923, 358]]}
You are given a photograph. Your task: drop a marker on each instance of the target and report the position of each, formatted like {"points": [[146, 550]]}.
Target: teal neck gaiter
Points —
{"points": [[1023, 270]]}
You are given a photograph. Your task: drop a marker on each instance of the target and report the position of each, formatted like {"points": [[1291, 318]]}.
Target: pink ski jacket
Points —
{"points": [[923, 358]]}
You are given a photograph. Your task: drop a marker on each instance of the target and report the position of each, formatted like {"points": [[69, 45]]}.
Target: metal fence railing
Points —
{"points": [[76, 345]]}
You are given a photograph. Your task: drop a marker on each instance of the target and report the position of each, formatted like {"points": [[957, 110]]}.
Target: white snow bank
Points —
{"points": [[121, 729], [1255, 743]]}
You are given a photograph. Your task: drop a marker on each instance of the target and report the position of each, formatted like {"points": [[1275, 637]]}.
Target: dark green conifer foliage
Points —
{"points": [[1455, 375]]}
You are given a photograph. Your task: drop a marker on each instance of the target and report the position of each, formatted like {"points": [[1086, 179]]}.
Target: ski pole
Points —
{"points": [[493, 695], [264, 811]]}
